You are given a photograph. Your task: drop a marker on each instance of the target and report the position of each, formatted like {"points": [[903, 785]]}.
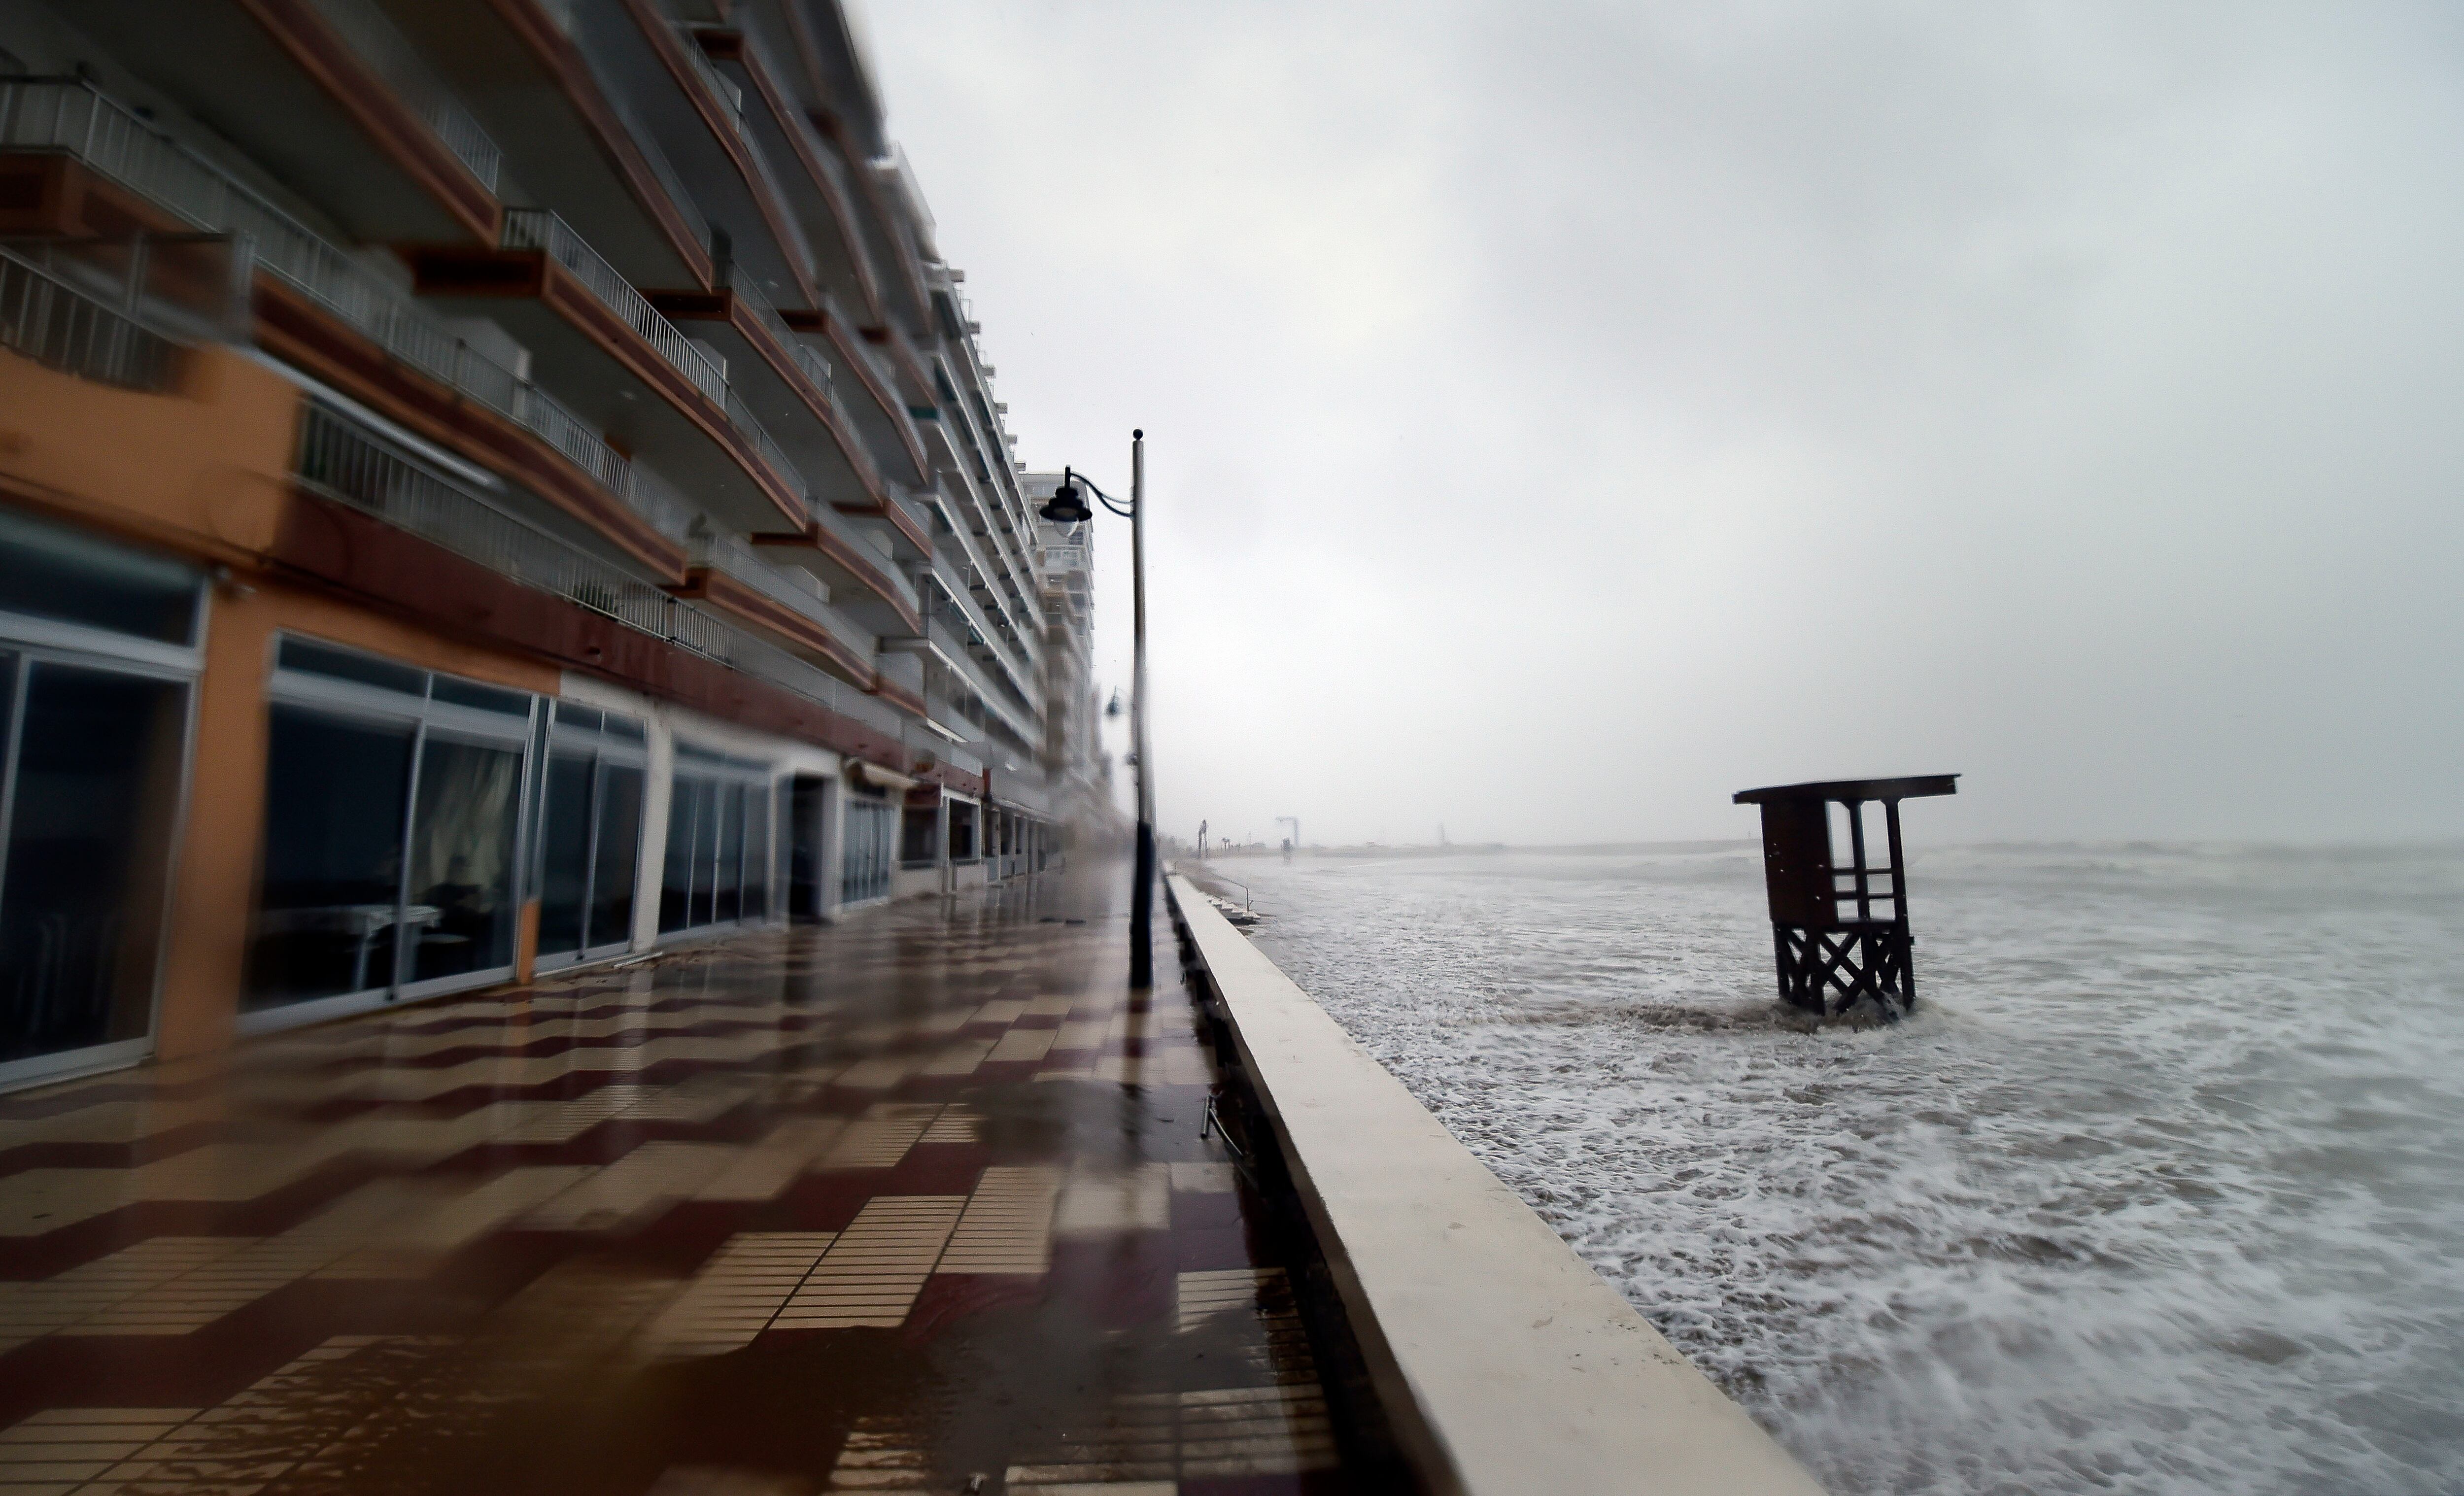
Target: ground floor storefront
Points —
{"points": [[233, 803]]}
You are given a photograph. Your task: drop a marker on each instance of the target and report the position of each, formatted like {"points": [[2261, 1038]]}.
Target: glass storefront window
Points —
{"points": [[757, 852], [393, 829], [53, 572], [728, 871], [460, 916], [618, 854], [675, 880], [97, 656], [565, 867], [336, 792], [590, 848], [92, 788], [864, 872], [718, 843]]}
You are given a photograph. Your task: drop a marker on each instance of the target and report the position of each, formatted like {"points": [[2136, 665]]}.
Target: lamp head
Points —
{"points": [[1066, 505]]}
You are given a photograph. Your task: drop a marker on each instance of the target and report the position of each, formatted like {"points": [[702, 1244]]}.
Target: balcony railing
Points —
{"points": [[729, 96], [61, 326], [388, 51], [540, 228], [816, 367], [740, 415], [346, 460], [798, 590], [70, 115]]}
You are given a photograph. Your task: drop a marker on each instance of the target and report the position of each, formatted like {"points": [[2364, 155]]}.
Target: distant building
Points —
{"points": [[485, 486], [1073, 715]]}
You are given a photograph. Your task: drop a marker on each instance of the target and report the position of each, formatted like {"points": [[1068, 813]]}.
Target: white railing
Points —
{"points": [[347, 461], [740, 415], [723, 88], [971, 672], [72, 116], [965, 613], [901, 588], [815, 367], [790, 587], [388, 51], [64, 327], [540, 228]]}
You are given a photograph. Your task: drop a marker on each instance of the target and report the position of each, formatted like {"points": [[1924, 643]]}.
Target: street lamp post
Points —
{"points": [[1067, 507]]}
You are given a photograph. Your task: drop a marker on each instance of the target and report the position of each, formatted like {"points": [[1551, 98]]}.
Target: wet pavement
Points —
{"points": [[915, 1202]]}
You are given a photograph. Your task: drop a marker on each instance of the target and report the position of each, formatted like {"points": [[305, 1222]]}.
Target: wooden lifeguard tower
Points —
{"points": [[1841, 926]]}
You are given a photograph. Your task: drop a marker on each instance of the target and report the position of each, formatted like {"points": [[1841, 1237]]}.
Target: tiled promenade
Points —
{"points": [[914, 1202]]}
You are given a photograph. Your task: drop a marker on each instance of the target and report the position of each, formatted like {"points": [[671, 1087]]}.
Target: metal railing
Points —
{"points": [[1018, 718], [740, 415], [790, 587], [725, 89], [540, 228], [344, 460], [661, 502], [67, 328], [393, 57], [72, 116], [347, 461], [873, 551], [816, 367], [976, 622], [188, 287]]}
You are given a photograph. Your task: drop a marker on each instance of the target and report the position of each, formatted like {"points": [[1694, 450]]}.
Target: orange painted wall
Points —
{"points": [[203, 470], [214, 881]]}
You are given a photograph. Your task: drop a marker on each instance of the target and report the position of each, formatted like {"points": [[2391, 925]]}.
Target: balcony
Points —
{"points": [[962, 576], [329, 97], [869, 393], [671, 88], [530, 79], [810, 179], [65, 320], [863, 579], [621, 365], [105, 171], [791, 386], [341, 459], [997, 562], [983, 634], [787, 604]]}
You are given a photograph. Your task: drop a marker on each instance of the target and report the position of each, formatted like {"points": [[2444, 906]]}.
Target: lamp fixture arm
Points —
{"points": [[1124, 510]]}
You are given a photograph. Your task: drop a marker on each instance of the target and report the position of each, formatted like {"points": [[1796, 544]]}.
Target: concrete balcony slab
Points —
{"points": [[634, 375], [698, 115], [519, 69], [811, 178], [328, 96]]}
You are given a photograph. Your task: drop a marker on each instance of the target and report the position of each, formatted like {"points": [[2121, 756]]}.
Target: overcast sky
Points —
{"points": [[1562, 415]]}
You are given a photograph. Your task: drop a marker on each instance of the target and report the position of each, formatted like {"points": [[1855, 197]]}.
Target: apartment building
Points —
{"points": [[485, 486]]}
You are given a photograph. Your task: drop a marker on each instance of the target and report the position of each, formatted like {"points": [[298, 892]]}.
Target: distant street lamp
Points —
{"points": [[1066, 506]]}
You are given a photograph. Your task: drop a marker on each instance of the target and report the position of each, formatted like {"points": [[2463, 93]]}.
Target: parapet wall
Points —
{"points": [[1504, 1364]]}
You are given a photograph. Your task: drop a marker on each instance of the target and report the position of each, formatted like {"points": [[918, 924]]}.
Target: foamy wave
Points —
{"points": [[2158, 1191]]}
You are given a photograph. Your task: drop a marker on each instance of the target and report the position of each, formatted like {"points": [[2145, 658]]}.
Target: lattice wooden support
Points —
{"points": [[1839, 927]]}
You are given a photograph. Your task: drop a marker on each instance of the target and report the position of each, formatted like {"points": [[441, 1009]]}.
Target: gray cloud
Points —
{"points": [[1564, 414]]}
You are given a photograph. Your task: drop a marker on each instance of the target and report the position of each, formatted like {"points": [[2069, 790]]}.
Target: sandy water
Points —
{"points": [[2161, 1190]]}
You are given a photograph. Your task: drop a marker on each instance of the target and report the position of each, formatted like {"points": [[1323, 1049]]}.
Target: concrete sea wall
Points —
{"points": [[1503, 1363]]}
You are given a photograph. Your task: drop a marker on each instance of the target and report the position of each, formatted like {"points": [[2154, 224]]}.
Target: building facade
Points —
{"points": [[485, 486]]}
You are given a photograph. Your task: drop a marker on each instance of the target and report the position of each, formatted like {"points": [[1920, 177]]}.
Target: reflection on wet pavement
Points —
{"points": [[905, 1203]]}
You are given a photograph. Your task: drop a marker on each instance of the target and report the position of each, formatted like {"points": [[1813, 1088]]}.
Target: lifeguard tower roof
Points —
{"points": [[1914, 786]]}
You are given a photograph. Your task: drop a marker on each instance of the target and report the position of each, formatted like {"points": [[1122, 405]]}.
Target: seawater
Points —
{"points": [[2161, 1189]]}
